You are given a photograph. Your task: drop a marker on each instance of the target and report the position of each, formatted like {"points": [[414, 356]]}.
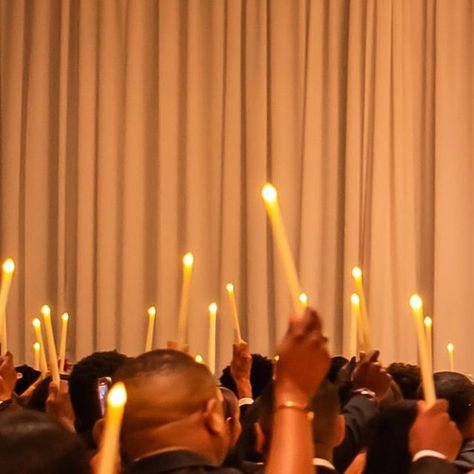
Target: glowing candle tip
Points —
{"points": [[230, 287], [152, 311], [188, 259], [355, 299], [118, 395], [357, 272], [8, 265], [213, 308], [269, 193]]}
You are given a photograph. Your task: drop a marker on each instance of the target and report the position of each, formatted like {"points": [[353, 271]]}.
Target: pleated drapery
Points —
{"points": [[134, 131]]}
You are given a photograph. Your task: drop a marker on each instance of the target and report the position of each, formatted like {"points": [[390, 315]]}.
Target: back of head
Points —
{"points": [[167, 392], [83, 385], [32, 443], [260, 375], [326, 407], [407, 377], [388, 450], [459, 391]]}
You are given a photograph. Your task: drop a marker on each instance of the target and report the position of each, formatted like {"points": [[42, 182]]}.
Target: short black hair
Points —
{"points": [[388, 450], [407, 377], [260, 375], [28, 377], [458, 390], [33, 443], [83, 385]]}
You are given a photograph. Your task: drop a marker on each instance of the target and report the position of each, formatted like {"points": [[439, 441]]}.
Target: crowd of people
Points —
{"points": [[298, 413]]}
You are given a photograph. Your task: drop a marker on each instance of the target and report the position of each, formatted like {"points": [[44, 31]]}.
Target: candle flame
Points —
{"points": [[276, 358], [65, 317], [269, 193], [355, 299], [151, 311], [36, 323], [199, 359], [416, 302], [213, 308], [450, 347], [230, 288], [428, 321], [303, 298], [117, 396], [188, 259], [36, 346], [357, 273], [45, 310], [8, 266]]}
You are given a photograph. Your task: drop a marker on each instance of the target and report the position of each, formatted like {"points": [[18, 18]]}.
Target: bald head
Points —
{"points": [[171, 401]]}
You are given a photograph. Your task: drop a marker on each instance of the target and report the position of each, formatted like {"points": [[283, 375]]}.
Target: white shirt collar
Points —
{"points": [[323, 463]]}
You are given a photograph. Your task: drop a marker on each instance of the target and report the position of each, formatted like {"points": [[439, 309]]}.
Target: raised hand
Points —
{"points": [[370, 374], [433, 430], [240, 368], [58, 404], [8, 376]]}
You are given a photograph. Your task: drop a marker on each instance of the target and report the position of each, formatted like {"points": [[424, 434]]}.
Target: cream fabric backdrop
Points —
{"points": [[133, 131]]}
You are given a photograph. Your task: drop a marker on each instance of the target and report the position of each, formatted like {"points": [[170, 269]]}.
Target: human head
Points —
{"points": [[83, 386], [231, 415], [458, 390], [172, 401], [32, 443], [260, 374], [388, 450], [407, 377]]}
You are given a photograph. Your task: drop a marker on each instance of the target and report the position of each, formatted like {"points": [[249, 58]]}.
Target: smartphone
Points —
{"points": [[103, 385]]}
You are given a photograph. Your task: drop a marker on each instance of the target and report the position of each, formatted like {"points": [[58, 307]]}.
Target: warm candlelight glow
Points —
{"points": [[39, 337], [188, 259], [36, 323], [8, 266], [355, 299], [52, 354], [356, 336], [36, 350], [188, 263], [199, 359], [151, 311], [270, 197], [109, 449], [428, 322], [235, 314], [416, 304], [450, 348], [63, 341], [151, 328], [269, 193], [45, 310], [356, 273], [211, 352], [213, 308], [303, 299]]}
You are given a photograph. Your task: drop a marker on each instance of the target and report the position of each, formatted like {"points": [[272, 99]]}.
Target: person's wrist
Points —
{"points": [[286, 391], [244, 388]]}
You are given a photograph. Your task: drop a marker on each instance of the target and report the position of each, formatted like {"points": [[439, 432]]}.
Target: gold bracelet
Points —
{"points": [[297, 406]]}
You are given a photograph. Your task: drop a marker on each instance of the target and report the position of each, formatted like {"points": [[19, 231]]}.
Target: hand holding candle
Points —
{"points": [[235, 314], [63, 341], [450, 348], [151, 327], [188, 263], [52, 354], [109, 446], [211, 352], [270, 197], [416, 304], [364, 319], [8, 269]]}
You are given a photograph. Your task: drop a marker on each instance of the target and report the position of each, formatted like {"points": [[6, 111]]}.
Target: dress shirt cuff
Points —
{"points": [[245, 401]]}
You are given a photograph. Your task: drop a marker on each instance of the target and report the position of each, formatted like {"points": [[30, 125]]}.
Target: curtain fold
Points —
{"points": [[134, 131]]}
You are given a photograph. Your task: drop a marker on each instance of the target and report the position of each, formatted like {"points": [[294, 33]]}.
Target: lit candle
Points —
{"points": [[364, 319], [211, 352], [235, 314], [428, 322], [151, 326], [188, 263], [199, 359], [8, 268], [52, 354], [270, 197], [416, 304], [450, 348], [63, 341], [36, 350], [109, 446], [39, 338], [303, 299], [356, 332]]}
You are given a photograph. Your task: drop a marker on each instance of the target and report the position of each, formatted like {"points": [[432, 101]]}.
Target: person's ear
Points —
{"points": [[259, 438], [340, 430], [213, 417]]}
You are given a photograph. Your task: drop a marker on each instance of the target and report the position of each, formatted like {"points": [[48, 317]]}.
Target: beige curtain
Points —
{"points": [[134, 131]]}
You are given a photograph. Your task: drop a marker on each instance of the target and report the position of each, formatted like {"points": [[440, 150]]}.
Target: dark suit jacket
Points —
{"points": [[465, 459], [176, 462], [324, 470], [359, 414], [433, 466]]}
